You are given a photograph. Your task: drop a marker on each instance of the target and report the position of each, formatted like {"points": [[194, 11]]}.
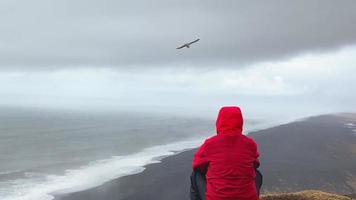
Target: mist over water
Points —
{"points": [[49, 140]]}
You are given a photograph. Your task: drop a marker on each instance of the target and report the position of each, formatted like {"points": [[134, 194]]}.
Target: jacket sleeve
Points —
{"points": [[256, 162], [200, 160]]}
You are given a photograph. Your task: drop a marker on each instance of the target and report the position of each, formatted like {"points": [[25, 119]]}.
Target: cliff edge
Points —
{"points": [[306, 195]]}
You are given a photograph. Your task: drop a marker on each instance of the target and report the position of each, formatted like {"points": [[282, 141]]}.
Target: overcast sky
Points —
{"points": [[290, 56]]}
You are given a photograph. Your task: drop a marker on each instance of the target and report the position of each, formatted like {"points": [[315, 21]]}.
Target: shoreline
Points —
{"points": [[316, 169], [171, 150], [171, 156], [174, 166]]}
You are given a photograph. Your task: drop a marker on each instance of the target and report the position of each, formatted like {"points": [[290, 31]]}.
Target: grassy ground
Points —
{"points": [[305, 195]]}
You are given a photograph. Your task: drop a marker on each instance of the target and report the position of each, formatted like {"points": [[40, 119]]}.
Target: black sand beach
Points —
{"points": [[318, 153]]}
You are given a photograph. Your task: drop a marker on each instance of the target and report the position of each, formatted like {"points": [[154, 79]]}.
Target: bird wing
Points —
{"points": [[194, 41], [182, 46]]}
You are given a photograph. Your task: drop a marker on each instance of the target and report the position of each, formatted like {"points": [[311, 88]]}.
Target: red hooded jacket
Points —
{"points": [[230, 158]]}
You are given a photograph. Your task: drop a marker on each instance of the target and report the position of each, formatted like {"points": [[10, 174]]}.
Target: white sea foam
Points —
{"points": [[350, 125], [94, 174], [273, 123]]}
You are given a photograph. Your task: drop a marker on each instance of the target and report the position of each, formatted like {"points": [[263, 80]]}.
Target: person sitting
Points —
{"points": [[225, 165]]}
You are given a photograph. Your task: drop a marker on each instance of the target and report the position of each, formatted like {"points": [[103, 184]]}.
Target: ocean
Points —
{"points": [[45, 152]]}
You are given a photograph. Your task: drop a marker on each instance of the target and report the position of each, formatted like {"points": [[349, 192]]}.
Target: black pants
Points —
{"points": [[198, 184]]}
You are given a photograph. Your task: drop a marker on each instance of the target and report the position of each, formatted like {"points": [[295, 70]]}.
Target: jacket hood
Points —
{"points": [[229, 120]]}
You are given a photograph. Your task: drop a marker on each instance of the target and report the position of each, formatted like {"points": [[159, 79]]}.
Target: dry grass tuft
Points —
{"points": [[304, 195]]}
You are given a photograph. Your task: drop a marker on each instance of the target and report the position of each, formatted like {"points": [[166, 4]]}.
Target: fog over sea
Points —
{"points": [[45, 152]]}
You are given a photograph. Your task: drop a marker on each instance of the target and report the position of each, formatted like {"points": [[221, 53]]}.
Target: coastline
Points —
{"points": [[172, 182], [296, 156]]}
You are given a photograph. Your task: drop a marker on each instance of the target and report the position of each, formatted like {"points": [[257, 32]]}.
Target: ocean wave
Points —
{"points": [[350, 125], [44, 187]]}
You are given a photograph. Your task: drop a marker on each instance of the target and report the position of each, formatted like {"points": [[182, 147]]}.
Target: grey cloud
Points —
{"points": [[61, 33]]}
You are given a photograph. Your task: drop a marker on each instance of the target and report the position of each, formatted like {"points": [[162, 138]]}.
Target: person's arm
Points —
{"points": [[200, 160], [256, 162]]}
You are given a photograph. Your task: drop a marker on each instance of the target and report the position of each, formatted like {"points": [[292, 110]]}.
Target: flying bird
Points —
{"points": [[188, 44]]}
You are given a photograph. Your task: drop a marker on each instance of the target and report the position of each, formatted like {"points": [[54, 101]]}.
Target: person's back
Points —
{"points": [[230, 159]]}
